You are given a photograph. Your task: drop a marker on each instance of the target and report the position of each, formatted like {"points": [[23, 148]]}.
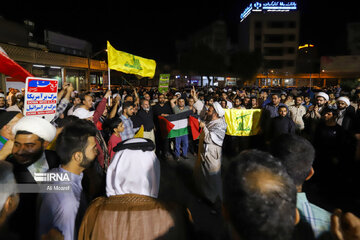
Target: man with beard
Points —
{"points": [[346, 115], [314, 114], [282, 124], [32, 136], [238, 104], [2, 102], [163, 109], [145, 117], [76, 147], [207, 170]]}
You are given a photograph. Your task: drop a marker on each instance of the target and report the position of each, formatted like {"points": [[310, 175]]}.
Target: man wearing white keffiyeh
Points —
{"points": [[131, 209], [207, 170]]}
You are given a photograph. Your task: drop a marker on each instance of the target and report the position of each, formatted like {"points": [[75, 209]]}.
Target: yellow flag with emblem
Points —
{"points": [[129, 63], [242, 122], [140, 132]]}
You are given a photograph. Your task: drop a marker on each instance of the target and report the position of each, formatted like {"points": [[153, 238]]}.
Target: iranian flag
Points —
{"points": [[11, 68], [177, 125]]}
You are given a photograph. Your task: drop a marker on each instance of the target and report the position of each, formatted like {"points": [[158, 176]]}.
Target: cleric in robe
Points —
{"points": [[207, 170]]}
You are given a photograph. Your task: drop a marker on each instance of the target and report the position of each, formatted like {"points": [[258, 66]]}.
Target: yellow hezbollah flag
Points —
{"points": [[130, 64], [242, 122], [140, 133]]}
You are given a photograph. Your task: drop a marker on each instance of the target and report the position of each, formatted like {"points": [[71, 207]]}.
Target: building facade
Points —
{"points": [[271, 28], [58, 56]]}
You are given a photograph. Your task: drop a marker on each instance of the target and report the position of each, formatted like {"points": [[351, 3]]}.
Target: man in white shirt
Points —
{"points": [[297, 112]]}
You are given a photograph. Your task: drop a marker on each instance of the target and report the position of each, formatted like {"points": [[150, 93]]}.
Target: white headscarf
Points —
{"points": [[133, 171]]}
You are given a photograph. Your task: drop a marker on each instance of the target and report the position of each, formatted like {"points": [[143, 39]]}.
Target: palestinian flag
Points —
{"points": [[177, 125]]}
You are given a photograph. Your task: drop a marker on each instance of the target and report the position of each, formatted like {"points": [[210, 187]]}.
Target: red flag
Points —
{"points": [[194, 126], [11, 68]]}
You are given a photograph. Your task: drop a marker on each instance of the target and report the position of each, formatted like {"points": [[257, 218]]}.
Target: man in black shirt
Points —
{"points": [[163, 108], [145, 117]]}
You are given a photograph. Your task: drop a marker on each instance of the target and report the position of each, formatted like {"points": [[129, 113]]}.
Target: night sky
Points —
{"points": [[150, 28]]}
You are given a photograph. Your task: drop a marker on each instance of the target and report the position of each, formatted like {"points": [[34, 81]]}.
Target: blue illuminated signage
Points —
{"points": [[273, 6], [246, 12]]}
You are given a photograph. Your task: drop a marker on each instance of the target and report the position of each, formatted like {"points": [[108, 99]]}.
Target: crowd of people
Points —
{"points": [[114, 147]]}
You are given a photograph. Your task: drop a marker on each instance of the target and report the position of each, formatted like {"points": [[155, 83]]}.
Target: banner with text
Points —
{"points": [[164, 83], [40, 97]]}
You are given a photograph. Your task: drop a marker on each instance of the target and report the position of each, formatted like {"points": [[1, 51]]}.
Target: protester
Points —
{"points": [[145, 118], [207, 171], [76, 147], [2, 102], [32, 136], [7, 121], [182, 142], [9, 199], [127, 113], [346, 116], [297, 111], [297, 155], [163, 109], [259, 198], [116, 127], [131, 207], [282, 124]]}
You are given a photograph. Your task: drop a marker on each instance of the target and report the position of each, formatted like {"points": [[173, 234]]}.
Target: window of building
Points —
{"points": [[273, 64], [290, 63], [273, 38], [291, 50], [273, 51], [276, 24], [291, 37], [258, 24], [292, 24]]}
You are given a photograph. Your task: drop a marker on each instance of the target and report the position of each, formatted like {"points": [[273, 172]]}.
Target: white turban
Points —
{"points": [[82, 113], [344, 99], [36, 125], [133, 171], [219, 110], [324, 95]]}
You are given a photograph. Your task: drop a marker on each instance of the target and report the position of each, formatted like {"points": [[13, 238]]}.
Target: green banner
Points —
{"points": [[164, 83]]}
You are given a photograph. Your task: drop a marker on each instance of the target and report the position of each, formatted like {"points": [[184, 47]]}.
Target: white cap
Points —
{"points": [[2, 95], [36, 125], [344, 99], [177, 93], [82, 113], [324, 95]]}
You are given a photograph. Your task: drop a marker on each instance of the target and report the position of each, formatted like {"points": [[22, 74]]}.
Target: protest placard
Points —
{"points": [[40, 97], [164, 83]]}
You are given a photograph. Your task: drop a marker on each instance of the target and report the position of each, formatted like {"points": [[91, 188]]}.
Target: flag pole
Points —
{"points": [[109, 82]]}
